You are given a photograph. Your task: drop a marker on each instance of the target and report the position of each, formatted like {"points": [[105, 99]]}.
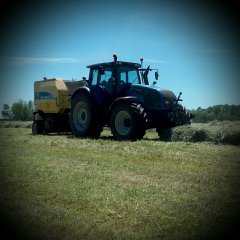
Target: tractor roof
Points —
{"points": [[110, 64]]}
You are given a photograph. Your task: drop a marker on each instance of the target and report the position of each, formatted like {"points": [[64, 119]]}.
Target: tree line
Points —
{"points": [[19, 111], [217, 112], [22, 111]]}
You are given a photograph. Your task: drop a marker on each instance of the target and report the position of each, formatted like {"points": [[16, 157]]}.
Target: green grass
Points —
{"points": [[60, 187]]}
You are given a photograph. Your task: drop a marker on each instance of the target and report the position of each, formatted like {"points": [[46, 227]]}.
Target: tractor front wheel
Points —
{"points": [[128, 121], [165, 134]]}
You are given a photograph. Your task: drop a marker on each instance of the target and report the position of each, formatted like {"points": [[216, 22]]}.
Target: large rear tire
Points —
{"points": [[83, 120], [128, 121]]}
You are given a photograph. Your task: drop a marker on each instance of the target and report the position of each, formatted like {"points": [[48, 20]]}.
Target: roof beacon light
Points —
{"points": [[115, 57]]}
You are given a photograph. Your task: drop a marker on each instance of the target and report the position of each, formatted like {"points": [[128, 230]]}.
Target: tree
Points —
{"points": [[217, 112], [17, 110], [30, 107], [6, 112], [22, 110], [210, 116]]}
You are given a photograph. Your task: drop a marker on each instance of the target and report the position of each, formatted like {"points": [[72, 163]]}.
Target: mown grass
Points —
{"points": [[226, 132], [15, 124], [60, 187]]}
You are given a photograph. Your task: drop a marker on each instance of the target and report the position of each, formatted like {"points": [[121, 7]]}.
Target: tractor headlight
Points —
{"points": [[167, 102]]}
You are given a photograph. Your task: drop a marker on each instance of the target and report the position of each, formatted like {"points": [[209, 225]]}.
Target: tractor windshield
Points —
{"points": [[128, 74]]}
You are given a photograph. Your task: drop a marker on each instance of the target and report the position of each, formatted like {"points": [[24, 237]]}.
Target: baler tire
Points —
{"points": [[47, 128], [37, 127]]}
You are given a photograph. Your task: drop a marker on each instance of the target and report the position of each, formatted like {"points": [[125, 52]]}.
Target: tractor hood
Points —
{"points": [[150, 91], [167, 94], [152, 97]]}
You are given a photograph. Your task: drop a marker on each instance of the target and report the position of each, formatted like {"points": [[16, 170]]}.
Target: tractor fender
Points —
{"points": [[122, 99], [92, 93], [81, 90]]}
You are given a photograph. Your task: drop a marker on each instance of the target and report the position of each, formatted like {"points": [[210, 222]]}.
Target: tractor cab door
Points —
{"points": [[102, 86], [103, 79], [127, 76]]}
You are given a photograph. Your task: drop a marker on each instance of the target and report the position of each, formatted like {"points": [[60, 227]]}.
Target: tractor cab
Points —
{"points": [[117, 76], [114, 76]]}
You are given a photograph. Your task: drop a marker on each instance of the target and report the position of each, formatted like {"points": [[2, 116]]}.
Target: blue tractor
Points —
{"points": [[117, 94]]}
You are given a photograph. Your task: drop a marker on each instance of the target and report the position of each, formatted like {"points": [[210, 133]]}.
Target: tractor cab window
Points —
{"points": [[129, 75], [105, 78], [94, 77], [123, 77], [101, 77], [133, 76]]}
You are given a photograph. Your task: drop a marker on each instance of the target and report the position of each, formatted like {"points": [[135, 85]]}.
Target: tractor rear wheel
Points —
{"points": [[128, 121], [83, 121]]}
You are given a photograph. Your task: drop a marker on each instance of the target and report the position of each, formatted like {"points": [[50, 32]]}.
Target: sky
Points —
{"points": [[193, 44]]}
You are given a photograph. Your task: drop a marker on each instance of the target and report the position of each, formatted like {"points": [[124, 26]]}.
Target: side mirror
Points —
{"points": [[156, 75]]}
